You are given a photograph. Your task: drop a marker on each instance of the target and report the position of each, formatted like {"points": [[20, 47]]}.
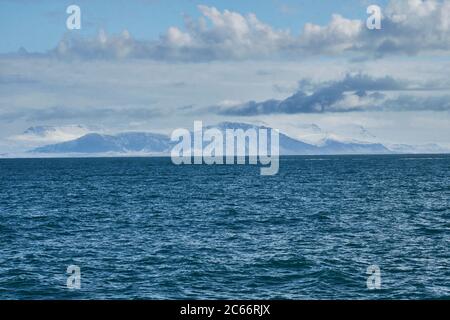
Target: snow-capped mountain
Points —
{"points": [[310, 140], [143, 142], [127, 142]]}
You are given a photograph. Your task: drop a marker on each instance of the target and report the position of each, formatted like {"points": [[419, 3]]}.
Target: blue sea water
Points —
{"points": [[143, 228]]}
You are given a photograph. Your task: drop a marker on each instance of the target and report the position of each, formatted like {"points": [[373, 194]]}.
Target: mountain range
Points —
{"points": [[152, 143], [87, 141]]}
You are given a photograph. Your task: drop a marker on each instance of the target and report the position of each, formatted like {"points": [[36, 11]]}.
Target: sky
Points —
{"points": [[149, 65], [38, 25]]}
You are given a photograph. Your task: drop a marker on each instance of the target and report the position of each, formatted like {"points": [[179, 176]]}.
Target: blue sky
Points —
{"points": [[39, 25]]}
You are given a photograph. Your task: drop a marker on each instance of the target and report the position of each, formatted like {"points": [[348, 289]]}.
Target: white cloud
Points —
{"points": [[411, 27], [339, 35], [216, 35], [408, 27]]}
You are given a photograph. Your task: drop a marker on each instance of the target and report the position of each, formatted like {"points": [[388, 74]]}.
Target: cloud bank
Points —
{"points": [[355, 92], [408, 27]]}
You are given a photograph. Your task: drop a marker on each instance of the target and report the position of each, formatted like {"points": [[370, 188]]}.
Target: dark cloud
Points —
{"points": [[359, 90]]}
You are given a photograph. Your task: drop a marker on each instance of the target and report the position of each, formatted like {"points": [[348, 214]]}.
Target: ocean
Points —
{"points": [[143, 228]]}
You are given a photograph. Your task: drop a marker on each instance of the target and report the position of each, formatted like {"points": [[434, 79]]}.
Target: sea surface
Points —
{"points": [[143, 228]]}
